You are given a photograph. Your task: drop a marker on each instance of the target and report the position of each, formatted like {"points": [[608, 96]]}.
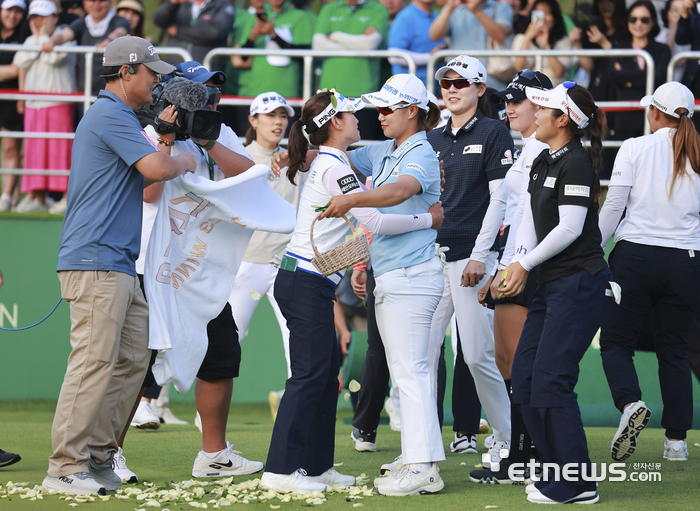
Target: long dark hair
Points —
{"points": [[559, 29], [250, 134], [428, 120], [596, 130], [298, 143], [619, 17], [652, 12]]}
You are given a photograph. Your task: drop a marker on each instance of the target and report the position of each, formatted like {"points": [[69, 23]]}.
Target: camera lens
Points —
{"points": [[202, 125]]}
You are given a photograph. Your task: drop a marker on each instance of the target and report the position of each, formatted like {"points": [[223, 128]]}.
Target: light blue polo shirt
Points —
{"points": [[466, 31], [102, 228], [409, 31], [416, 158]]}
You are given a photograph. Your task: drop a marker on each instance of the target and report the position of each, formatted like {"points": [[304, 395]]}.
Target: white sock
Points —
{"points": [[211, 455], [6, 195], [424, 466]]}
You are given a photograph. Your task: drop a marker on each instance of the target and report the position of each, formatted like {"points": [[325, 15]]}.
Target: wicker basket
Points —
{"points": [[343, 256]]}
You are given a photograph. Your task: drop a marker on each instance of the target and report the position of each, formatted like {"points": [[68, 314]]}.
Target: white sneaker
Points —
{"points": [[675, 450], [494, 455], [393, 410], [31, 206], [393, 466], [168, 417], [531, 488], [5, 203], [81, 483], [60, 207], [586, 497], [464, 443], [488, 442], [274, 399], [227, 462], [296, 482], [198, 422], [410, 480], [634, 419], [332, 478], [144, 418], [120, 468]]}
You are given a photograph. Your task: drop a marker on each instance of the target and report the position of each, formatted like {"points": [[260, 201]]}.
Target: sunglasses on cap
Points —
{"points": [[388, 110], [459, 83], [528, 74], [644, 19]]}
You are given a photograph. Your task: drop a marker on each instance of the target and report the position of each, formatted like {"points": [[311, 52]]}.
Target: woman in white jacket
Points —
{"points": [[49, 72]]}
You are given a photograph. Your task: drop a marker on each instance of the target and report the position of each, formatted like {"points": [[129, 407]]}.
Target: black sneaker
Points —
{"points": [[365, 441], [500, 476], [8, 458]]}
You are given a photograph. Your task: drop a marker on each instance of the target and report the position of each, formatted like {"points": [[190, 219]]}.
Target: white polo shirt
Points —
{"points": [[646, 165]]}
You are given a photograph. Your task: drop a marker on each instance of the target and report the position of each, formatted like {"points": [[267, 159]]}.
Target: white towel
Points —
{"points": [[200, 234]]}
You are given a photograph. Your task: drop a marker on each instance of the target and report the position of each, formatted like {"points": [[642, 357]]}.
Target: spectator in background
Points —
{"points": [[11, 14], [45, 72], [353, 25], [689, 33], [74, 8], [64, 19], [545, 32], [132, 11], [394, 7], [471, 24], [670, 15], [628, 74], [410, 32], [199, 26], [98, 28], [275, 26]]}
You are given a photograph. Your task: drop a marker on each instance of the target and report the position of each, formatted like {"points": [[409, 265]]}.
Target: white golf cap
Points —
{"points": [[9, 4], [669, 97], [401, 88], [42, 8], [269, 102], [468, 67], [558, 99], [339, 103]]}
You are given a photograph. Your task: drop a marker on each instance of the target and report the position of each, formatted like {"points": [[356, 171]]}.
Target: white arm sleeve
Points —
{"points": [[321, 42], [373, 220], [570, 227], [610, 215], [526, 237], [357, 42], [492, 221], [517, 219], [421, 59]]}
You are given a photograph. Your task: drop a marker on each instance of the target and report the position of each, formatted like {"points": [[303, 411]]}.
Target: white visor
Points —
{"points": [[558, 99]]}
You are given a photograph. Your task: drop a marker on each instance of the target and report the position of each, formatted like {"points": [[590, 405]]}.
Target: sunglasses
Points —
{"points": [[459, 83], [644, 19], [528, 74], [388, 110]]}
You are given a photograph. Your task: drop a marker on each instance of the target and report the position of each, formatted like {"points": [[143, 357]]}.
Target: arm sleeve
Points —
{"points": [[491, 222], [610, 215], [517, 219], [504, 14], [165, 14], [357, 42], [321, 42], [208, 31], [570, 227], [526, 237], [341, 180]]}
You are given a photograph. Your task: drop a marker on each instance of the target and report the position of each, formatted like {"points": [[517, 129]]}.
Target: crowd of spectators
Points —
{"points": [[419, 27]]}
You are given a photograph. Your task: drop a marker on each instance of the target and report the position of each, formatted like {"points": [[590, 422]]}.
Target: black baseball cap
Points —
{"points": [[515, 91]]}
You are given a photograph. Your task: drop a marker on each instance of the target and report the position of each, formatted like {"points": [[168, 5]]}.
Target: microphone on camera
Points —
{"points": [[186, 94]]}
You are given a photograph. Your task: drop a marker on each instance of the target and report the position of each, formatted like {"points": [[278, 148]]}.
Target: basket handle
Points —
{"points": [[311, 231]]}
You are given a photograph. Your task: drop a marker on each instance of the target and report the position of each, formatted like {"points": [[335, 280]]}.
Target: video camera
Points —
{"points": [[189, 98]]}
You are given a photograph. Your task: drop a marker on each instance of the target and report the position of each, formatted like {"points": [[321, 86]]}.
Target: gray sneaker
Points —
{"points": [[104, 474], [675, 450]]}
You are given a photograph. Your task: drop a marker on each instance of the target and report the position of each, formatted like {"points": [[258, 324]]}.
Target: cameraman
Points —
{"points": [[112, 162], [216, 160]]}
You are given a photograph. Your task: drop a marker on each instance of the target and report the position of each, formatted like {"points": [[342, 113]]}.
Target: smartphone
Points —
{"points": [[262, 16], [537, 16]]}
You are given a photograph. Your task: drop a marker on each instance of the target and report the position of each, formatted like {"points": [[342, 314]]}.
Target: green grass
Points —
{"points": [[167, 455]]}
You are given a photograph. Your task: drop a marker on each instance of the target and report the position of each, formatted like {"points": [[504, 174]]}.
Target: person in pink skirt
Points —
{"points": [[52, 72]]}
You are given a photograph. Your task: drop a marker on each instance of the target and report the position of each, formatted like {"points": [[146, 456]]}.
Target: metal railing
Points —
{"points": [[307, 56], [539, 54]]}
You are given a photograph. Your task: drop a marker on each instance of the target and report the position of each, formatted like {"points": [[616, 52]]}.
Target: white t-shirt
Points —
{"points": [[646, 165], [227, 138]]}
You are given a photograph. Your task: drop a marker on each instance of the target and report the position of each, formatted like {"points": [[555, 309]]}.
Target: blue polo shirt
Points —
{"points": [[466, 31], [102, 228], [385, 163], [481, 151], [409, 31]]}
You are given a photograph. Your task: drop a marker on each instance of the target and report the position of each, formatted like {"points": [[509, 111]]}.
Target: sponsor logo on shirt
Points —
{"points": [[616, 173], [415, 166], [577, 190], [437, 154], [348, 183], [549, 182], [506, 161], [472, 149], [336, 18], [560, 152]]}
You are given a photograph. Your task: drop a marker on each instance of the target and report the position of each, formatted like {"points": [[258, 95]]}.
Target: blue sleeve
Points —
{"points": [[362, 158], [127, 139], [504, 14], [499, 153], [400, 33], [424, 167]]}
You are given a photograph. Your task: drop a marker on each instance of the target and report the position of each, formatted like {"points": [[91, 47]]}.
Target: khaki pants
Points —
{"points": [[106, 367]]}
